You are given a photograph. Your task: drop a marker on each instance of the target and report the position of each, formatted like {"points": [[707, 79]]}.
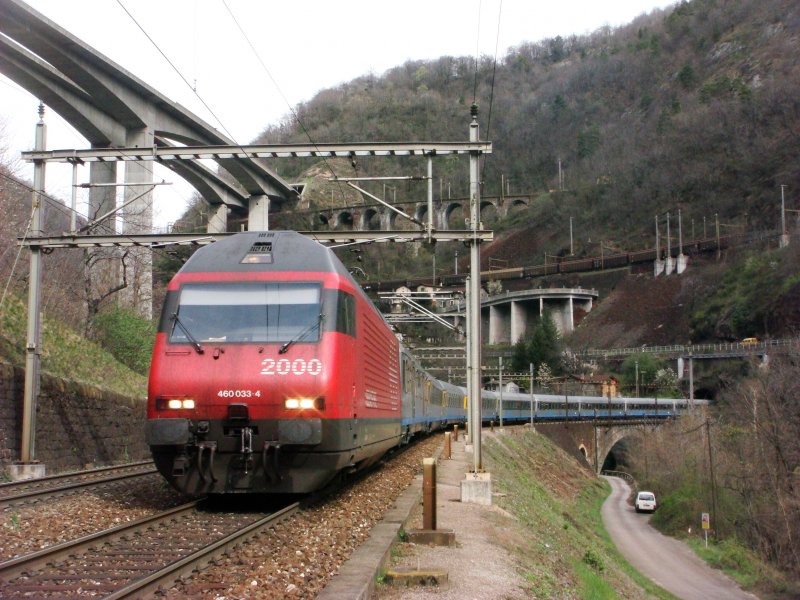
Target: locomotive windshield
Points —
{"points": [[247, 312]]}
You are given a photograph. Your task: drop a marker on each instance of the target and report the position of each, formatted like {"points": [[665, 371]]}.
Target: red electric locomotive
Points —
{"points": [[272, 372]]}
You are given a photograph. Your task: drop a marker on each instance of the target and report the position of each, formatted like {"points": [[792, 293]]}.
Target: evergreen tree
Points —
{"points": [[541, 346]]}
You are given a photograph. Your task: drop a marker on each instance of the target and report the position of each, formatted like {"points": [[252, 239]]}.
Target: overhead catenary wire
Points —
{"points": [[494, 69], [66, 210], [182, 77], [54, 202], [280, 92], [16, 260], [693, 429], [194, 87], [174, 68], [50, 200], [477, 55], [494, 73]]}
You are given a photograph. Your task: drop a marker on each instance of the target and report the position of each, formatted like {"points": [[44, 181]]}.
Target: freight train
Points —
{"points": [[273, 372], [566, 266]]}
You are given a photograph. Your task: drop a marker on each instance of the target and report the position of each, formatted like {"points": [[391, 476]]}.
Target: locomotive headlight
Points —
{"points": [[304, 403], [175, 403]]}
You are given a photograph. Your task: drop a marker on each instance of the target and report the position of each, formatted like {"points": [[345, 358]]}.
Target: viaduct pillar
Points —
{"points": [[137, 215]]}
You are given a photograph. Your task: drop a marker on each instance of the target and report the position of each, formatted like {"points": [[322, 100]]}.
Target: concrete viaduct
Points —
{"points": [[112, 108], [505, 318]]}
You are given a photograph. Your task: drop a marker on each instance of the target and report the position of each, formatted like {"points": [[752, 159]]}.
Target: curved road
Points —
{"points": [[667, 561]]}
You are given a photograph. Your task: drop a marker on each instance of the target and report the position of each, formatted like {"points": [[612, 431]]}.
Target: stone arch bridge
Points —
{"points": [[449, 213], [593, 441]]}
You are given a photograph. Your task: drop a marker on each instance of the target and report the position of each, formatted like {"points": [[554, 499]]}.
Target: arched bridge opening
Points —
{"points": [[344, 220], [489, 213], [454, 215], [516, 205], [616, 459], [371, 220]]}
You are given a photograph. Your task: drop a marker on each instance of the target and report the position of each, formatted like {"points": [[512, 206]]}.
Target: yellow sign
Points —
{"points": [[706, 518]]}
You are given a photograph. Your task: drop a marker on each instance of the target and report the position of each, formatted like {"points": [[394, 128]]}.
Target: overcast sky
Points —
{"points": [[305, 45]]}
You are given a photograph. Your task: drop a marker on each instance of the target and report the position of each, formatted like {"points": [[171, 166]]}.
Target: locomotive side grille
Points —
{"points": [[381, 374], [261, 248]]}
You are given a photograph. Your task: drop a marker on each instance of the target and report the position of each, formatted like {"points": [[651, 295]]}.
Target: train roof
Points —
{"points": [[559, 398], [255, 251]]}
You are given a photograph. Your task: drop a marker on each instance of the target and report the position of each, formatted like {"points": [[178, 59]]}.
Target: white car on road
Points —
{"points": [[645, 501]]}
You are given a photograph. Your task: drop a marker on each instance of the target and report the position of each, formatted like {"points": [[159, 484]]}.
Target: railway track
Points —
{"points": [[34, 490], [136, 559]]}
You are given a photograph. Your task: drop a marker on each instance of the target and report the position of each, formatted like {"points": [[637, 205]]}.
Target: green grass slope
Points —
{"points": [[567, 552], [65, 353]]}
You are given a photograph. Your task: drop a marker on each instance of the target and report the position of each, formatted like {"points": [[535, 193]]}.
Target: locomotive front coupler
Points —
{"points": [[246, 449]]}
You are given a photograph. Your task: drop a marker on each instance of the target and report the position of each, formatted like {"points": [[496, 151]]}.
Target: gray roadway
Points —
{"points": [[667, 561]]}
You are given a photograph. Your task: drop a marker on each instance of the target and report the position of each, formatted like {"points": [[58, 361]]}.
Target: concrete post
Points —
{"points": [[571, 316], [658, 265], [784, 239], [519, 321], [102, 194], [102, 272], [497, 325], [138, 218], [218, 221], [448, 454], [669, 262], [682, 259], [258, 216]]}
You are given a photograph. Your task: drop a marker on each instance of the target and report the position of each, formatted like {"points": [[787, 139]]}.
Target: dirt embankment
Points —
{"points": [[645, 310]]}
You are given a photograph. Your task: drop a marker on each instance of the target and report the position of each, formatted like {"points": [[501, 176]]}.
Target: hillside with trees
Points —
{"points": [[694, 108]]}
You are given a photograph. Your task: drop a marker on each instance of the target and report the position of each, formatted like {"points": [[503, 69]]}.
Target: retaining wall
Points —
{"points": [[76, 424]]}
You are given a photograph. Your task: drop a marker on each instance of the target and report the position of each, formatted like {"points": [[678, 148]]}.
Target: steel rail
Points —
{"points": [[16, 566], [53, 491], [61, 476], [197, 560]]}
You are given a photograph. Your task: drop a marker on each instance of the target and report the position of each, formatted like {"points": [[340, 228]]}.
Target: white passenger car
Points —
{"points": [[645, 501]]}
